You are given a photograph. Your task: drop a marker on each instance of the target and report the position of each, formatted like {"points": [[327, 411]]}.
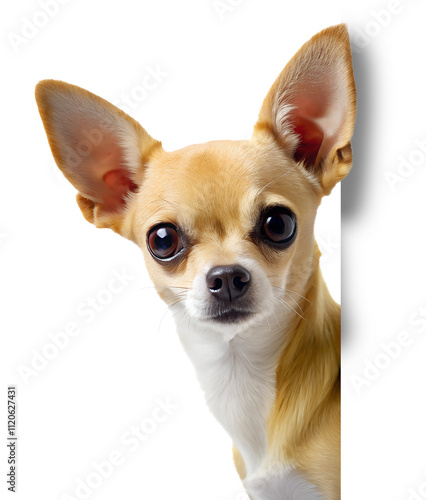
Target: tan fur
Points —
{"points": [[239, 463], [304, 427], [214, 192]]}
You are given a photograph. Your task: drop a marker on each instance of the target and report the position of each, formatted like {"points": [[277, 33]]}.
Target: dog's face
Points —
{"points": [[223, 226], [226, 227]]}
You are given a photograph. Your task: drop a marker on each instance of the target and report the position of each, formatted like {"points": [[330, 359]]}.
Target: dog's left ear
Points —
{"points": [[310, 109]]}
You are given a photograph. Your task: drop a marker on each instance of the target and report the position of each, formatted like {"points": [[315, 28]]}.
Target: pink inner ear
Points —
{"points": [[315, 118], [311, 138], [107, 180], [309, 108], [118, 184]]}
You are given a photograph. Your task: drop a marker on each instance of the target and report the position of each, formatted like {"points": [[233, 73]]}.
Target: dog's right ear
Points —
{"points": [[100, 150]]}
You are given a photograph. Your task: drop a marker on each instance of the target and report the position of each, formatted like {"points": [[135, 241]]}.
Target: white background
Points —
{"points": [[74, 411]]}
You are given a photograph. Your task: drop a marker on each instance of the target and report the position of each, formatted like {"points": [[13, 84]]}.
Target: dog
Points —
{"points": [[227, 232]]}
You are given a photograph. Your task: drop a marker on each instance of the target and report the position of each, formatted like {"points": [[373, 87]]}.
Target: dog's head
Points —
{"points": [[227, 226]]}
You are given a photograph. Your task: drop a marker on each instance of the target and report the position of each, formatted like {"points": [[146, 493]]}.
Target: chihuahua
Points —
{"points": [[227, 231]]}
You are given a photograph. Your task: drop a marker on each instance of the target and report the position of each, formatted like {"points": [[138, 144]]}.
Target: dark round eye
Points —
{"points": [[279, 225], [164, 241]]}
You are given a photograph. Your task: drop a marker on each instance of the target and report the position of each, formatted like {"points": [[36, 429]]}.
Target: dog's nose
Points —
{"points": [[228, 283]]}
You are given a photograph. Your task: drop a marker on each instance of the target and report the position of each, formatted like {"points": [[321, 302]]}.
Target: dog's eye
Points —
{"points": [[279, 225], [164, 241]]}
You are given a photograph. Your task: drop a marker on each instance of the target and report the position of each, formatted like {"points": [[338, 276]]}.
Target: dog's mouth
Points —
{"points": [[229, 316]]}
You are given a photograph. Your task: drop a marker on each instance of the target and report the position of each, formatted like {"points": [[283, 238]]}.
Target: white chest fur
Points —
{"points": [[238, 379]]}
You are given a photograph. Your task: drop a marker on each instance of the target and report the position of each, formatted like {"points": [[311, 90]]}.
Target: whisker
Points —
{"points": [[292, 291], [302, 296], [294, 300], [283, 302], [172, 203], [277, 320], [185, 312], [166, 287], [292, 308], [179, 287], [182, 293], [169, 309], [267, 319], [269, 183]]}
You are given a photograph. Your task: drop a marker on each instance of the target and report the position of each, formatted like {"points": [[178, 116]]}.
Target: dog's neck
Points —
{"points": [[256, 383], [308, 374]]}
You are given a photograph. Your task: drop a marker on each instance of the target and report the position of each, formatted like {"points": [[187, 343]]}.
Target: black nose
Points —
{"points": [[228, 283]]}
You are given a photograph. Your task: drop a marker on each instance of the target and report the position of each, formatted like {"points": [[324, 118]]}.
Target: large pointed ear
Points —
{"points": [[310, 109], [99, 149]]}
